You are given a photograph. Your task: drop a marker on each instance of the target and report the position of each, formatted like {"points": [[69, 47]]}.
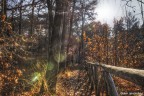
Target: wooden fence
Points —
{"points": [[134, 75]]}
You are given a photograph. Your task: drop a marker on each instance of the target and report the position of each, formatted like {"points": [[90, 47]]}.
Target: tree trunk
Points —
{"points": [[4, 7], [81, 45], [32, 19], [20, 16], [54, 44], [12, 20]]}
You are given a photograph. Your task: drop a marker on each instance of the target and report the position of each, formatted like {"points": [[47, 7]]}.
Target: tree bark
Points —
{"points": [[55, 33], [32, 19], [20, 17], [4, 7]]}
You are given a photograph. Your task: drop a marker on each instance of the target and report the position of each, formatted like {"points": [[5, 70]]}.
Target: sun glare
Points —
{"points": [[105, 12]]}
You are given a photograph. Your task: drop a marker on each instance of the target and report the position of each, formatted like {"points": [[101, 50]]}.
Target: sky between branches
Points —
{"points": [[107, 10]]}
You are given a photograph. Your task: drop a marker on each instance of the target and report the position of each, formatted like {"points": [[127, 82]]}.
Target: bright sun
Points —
{"points": [[105, 13]]}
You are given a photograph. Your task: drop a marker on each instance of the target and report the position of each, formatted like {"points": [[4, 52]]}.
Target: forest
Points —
{"points": [[59, 48]]}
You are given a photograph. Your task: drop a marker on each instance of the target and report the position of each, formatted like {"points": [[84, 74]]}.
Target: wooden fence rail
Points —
{"points": [[134, 75]]}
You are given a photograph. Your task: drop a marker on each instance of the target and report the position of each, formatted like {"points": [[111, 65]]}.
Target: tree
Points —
{"points": [[60, 20]]}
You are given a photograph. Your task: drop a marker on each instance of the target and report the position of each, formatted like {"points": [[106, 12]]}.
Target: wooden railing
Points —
{"points": [[134, 75]]}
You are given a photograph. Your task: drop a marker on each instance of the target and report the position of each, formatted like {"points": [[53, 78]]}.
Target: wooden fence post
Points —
{"points": [[111, 85]]}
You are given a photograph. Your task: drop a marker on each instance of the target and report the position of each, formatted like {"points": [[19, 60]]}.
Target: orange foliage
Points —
{"points": [[122, 50], [3, 17]]}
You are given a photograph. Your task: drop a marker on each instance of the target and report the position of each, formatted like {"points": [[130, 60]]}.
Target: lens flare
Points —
{"points": [[36, 76], [50, 66], [60, 57]]}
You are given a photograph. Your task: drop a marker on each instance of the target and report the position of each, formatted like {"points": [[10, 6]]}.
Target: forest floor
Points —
{"points": [[76, 83], [73, 83]]}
